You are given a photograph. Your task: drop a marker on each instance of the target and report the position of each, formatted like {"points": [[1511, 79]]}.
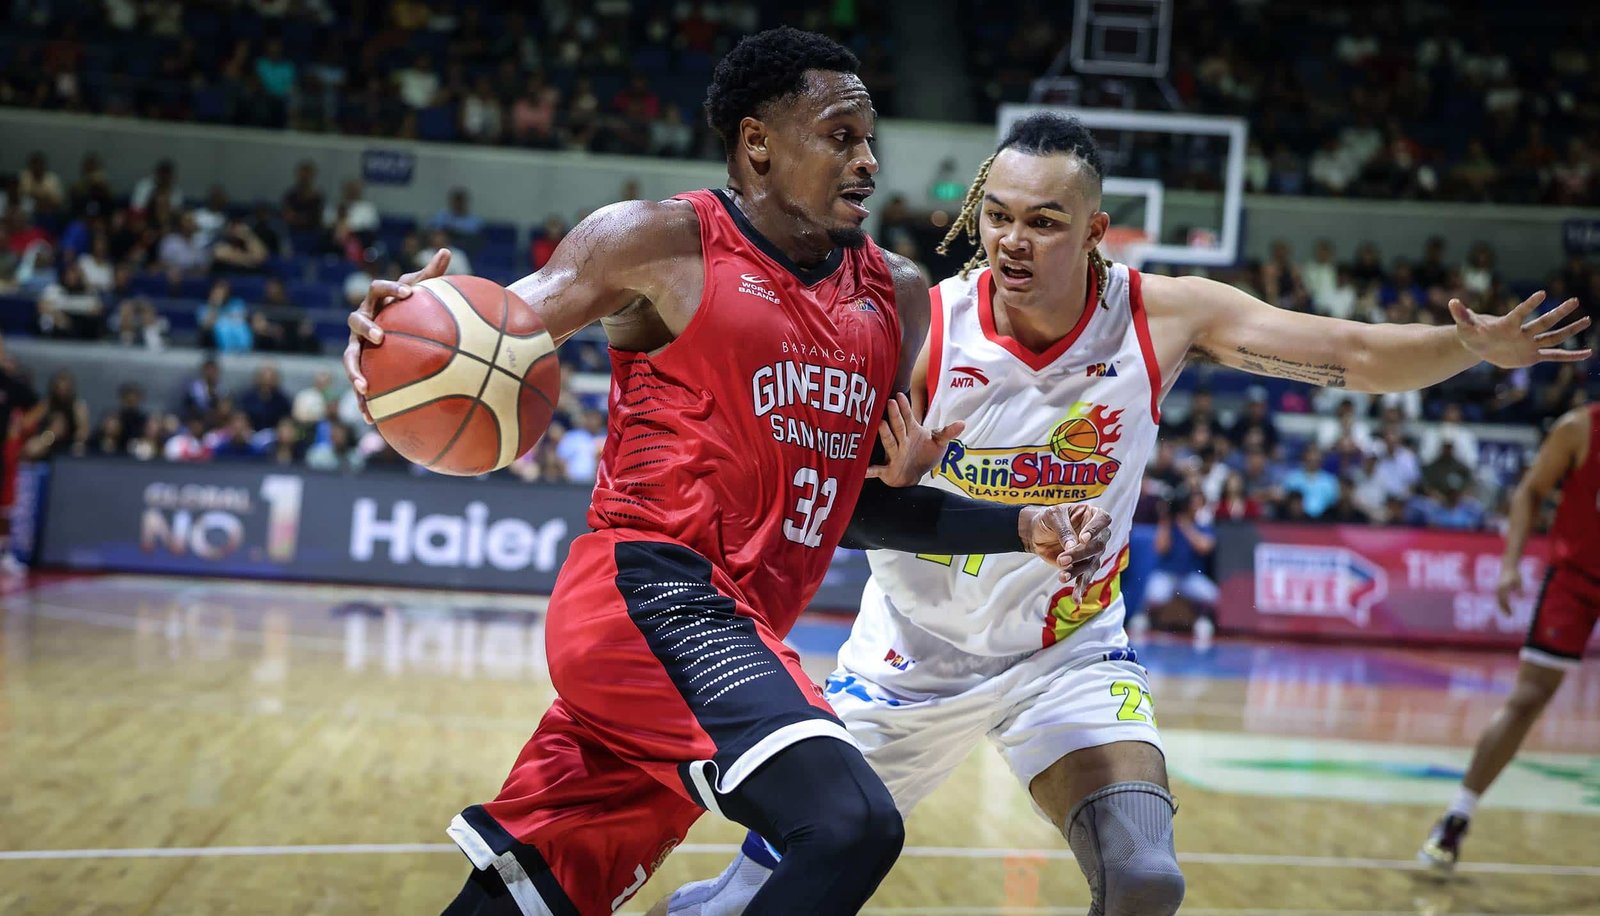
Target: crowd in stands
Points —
{"points": [[1415, 99], [319, 427]]}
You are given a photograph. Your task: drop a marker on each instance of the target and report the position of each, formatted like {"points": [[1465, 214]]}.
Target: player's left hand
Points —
{"points": [[1517, 338], [912, 448], [1072, 537]]}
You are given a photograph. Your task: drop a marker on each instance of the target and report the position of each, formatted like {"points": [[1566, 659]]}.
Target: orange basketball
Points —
{"points": [[1074, 439], [466, 377]]}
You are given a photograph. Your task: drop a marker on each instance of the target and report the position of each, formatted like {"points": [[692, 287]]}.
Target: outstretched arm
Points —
{"points": [[1240, 331]]}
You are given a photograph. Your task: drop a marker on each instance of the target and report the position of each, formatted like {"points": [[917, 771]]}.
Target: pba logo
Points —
{"points": [[1306, 581], [208, 521], [897, 661], [1074, 463], [1101, 370]]}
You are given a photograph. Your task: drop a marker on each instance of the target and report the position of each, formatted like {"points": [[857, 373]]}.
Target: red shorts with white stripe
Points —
{"points": [[1563, 619], [671, 693]]}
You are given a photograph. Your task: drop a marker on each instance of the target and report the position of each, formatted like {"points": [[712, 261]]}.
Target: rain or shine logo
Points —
{"points": [[1074, 463]]}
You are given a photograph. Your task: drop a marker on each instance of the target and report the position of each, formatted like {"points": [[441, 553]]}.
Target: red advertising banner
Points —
{"points": [[1358, 582]]}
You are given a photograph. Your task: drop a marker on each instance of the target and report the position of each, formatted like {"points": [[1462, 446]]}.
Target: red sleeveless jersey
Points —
{"points": [[747, 438], [1575, 536]]}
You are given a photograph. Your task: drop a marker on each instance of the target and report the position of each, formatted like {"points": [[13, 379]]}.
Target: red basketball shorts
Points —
{"points": [[1563, 619], [670, 694]]}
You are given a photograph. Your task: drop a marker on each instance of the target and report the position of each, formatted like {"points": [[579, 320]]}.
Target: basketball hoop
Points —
{"points": [[1125, 245]]}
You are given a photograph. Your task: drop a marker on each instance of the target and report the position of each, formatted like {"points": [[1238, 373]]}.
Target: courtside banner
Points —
{"points": [[1359, 582], [260, 520]]}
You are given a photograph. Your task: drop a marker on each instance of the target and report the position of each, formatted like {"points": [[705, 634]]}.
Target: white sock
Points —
{"points": [[725, 895], [1466, 802]]}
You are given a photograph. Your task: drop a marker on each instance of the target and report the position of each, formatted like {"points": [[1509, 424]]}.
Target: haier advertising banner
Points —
{"points": [[254, 520], [259, 521]]}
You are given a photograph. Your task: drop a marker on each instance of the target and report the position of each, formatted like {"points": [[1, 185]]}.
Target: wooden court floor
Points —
{"points": [[213, 747]]}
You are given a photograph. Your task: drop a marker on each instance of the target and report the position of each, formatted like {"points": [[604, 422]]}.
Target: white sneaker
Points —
{"points": [[11, 567], [1204, 631]]}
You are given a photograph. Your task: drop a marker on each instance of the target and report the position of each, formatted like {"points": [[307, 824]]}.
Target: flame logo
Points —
{"points": [[1108, 422]]}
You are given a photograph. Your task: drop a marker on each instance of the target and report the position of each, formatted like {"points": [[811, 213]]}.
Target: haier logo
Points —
{"points": [[468, 540]]}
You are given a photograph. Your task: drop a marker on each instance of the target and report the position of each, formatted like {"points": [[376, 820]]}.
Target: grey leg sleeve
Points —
{"points": [[1122, 838]]}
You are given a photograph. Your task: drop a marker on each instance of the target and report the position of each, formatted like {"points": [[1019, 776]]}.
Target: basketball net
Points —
{"points": [[1125, 245]]}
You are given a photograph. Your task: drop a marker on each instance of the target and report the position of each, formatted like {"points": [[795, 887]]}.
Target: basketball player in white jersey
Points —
{"points": [[1057, 361]]}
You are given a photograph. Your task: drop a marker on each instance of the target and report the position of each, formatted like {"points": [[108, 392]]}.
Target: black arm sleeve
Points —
{"points": [[929, 520]]}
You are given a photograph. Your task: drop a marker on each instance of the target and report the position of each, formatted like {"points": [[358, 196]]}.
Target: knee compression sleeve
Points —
{"points": [[1122, 838]]}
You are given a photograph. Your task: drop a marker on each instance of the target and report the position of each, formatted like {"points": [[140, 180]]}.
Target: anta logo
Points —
{"points": [[897, 661], [1072, 464], [758, 286], [967, 377], [1101, 370]]}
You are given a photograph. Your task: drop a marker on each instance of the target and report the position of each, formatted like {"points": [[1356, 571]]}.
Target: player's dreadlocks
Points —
{"points": [[766, 67], [1041, 135]]}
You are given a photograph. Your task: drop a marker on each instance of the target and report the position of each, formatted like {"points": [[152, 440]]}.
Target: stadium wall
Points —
{"points": [[522, 186]]}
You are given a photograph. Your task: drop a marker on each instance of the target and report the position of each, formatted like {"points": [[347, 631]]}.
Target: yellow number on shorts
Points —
{"points": [[1132, 695], [973, 563]]}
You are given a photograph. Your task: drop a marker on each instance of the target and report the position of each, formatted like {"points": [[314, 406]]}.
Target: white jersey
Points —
{"points": [[1076, 424]]}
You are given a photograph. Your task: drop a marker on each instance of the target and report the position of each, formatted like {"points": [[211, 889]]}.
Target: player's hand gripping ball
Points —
{"points": [[466, 378]]}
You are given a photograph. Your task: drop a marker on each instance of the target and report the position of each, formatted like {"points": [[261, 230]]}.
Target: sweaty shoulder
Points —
{"points": [[909, 280], [651, 228]]}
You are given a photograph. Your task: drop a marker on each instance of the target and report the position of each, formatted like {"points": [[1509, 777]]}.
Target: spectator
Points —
{"points": [[233, 441], [91, 193], [1432, 270], [163, 183], [264, 404], [181, 253], [238, 249], [99, 271], [1344, 424], [138, 324], [276, 71], [1183, 545], [1202, 413], [1316, 487], [358, 215], [284, 446], [282, 325], [533, 115], [579, 447], [1478, 273], [1446, 474], [1255, 417], [419, 83], [188, 443], [1320, 274], [669, 135], [212, 215], [40, 188], [131, 415], [1397, 471], [63, 421], [481, 117], [1451, 428], [69, 308], [460, 262], [314, 404], [337, 453], [458, 219], [303, 202], [545, 240], [224, 323], [1237, 504]]}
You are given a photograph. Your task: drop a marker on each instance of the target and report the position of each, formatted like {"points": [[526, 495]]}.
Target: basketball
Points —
{"points": [[1074, 439], [463, 382]]}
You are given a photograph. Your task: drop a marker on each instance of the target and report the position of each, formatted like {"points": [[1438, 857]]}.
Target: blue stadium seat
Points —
{"points": [[314, 295], [500, 234], [437, 123], [211, 104]]}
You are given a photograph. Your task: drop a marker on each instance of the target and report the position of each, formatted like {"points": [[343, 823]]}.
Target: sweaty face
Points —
{"points": [[1039, 219], [820, 162]]}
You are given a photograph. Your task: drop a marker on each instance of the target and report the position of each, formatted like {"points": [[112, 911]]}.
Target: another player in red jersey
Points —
{"points": [[1563, 619], [758, 342]]}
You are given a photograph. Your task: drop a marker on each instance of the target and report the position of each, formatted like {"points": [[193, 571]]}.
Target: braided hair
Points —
{"points": [[1039, 134]]}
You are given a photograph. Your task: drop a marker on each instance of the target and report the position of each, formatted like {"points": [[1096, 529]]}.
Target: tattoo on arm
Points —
{"points": [[1328, 375]]}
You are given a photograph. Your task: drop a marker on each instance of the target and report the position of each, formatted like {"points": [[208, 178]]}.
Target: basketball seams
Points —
{"points": [[488, 373]]}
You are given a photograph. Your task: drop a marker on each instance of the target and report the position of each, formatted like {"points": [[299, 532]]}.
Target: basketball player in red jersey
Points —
{"points": [[1563, 619], [758, 336]]}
